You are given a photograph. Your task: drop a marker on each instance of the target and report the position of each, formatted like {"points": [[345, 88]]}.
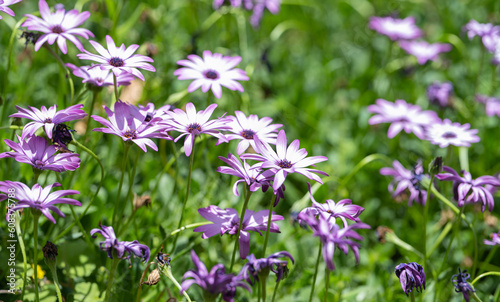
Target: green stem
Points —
{"points": [[167, 271], [128, 197], [412, 296], [263, 281], [258, 292], [186, 227], [315, 273], [56, 283], [485, 275], [111, 277], [440, 238], [327, 284], [36, 216], [463, 155], [138, 296], [426, 210], [23, 250], [475, 297], [115, 87], [269, 221], [242, 218], [117, 201], [275, 290], [488, 258], [91, 110], [68, 73]]}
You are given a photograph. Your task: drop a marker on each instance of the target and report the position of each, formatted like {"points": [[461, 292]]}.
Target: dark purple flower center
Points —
{"points": [[285, 164], [57, 29], [132, 134], [99, 80], [116, 62], [148, 118], [211, 74], [39, 164], [48, 120], [248, 134], [449, 135], [195, 127]]}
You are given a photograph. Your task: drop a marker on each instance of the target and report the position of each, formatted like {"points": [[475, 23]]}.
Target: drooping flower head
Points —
{"points": [[411, 276], [4, 7], [461, 285], [37, 198], [35, 151], [122, 249], [256, 268], [424, 51], [495, 239], [466, 189], [211, 72], [251, 175], [228, 221], [492, 104], [192, 124], [440, 93], [402, 116], [118, 59], [59, 26], [100, 77], [396, 29], [474, 28], [406, 179], [47, 118], [447, 133]]}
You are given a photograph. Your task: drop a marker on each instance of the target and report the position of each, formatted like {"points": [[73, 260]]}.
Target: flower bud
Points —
{"points": [[436, 166], [153, 278], [50, 254]]}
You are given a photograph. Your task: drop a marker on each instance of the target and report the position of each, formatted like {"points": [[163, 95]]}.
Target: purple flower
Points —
{"points": [[37, 198], [228, 221], [447, 133], [212, 72], [35, 150], [411, 276], [258, 7], [251, 175], [344, 209], [396, 29], [492, 39], [234, 3], [474, 28], [461, 285], [492, 104], [286, 159], [440, 93], [129, 123], [466, 189], [118, 59], [120, 248], [261, 267], [4, 7], [214, 282], [245, 128], [406, 179], [192, 124], [59, 26], [495, 239], [155, 115], [331, 236], [402, 116], [47, 118], [98, 77], [424, 51]]}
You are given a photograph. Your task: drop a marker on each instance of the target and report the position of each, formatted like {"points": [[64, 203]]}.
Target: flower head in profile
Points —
{"points": [[155, 115], [405, 179], [424, 51], [47, 118], [461, 285], [4, 7], [37, 198], [256, 268], [228, 221], [35, 151], [396, 29], [211, 72], [118, 59], [122, 249], [59, 26], [468, 190], [251, 175], [447, 133], [492, 104], [440, 93], [100, 77], [474, 28], [495, 239], [411, 276], [402, 116]]}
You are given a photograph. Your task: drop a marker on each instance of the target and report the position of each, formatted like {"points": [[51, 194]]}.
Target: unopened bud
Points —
{"points": [[50, 253], [436, 166]]}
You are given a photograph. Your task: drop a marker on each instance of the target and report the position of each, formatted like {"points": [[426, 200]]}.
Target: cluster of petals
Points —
{"points": [[440, 93], [495, 239], [468, 190], [423, 50], [60, 25], [461, 285], [122, 249], [154, 115], [405, 179], [474, 28], [99, 77], [447, 133], [396, 29], [4, 7], [257, 6], [261, 267], [492, 104], [411, 276], [228, 221], [37, 198]]}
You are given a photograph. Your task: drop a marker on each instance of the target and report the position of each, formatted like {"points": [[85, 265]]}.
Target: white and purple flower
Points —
{"points": [[396, 29], [424, 51], [447, 133]]}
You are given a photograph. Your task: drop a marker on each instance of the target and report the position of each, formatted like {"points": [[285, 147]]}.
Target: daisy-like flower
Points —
{"points": [[211, 72], [118, 59], [474, 28], [492, 104], [123, 249], [466, 189], [402, 116], [286, 159], [461, 285], [59, 26], [251, 175], [37, 198], [255, 269], [47, 118], [405, 179], [447, 133], [396, 29], [4, 7], [35, 151], [228, 221], [495, 239], [411, 276], [424, 51], [440, 93], [99, 77], [192, 124], [245, 128], [128, 122]]}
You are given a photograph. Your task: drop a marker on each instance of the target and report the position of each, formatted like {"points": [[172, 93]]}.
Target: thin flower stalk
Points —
{"points": [[271, 205], [248, 193], [316, 271], [117, 200]]}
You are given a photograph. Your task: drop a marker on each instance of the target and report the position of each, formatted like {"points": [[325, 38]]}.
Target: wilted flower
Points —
{"points": [[120, 248], [402, 116], [447, 133], [411, 276], [466, 189], [4, 7], [37, 198], [256, 268], [492, 104], [495, 239], [99, 77], [251, 175], [461, 285], [424, 51], [59, 26], [153, 277], [406, 179], [440, 93], [396, 29]]}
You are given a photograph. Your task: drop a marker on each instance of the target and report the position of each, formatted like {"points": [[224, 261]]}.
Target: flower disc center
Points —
{"points": [[285, 164], [195, 127], [248, 134], [48, 120], [450, 135], [211, 74], [116, 62], [57, 29], [131, 134]]}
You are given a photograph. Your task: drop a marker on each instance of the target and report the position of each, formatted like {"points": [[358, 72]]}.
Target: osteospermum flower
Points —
{"points": [[405, 179], [37, 198], [228, 221], [211, 72], [251, 175], [495, 239], [118, 59], [128, 123], [447, 133], [286, 159], [192, 124], [35, 151], [246, 128], [411, 276], [47, 118], [424, 51], [440, 93], [59, 26], [99, 77], [466, 189], [255, 269], [402, 116], [258, 7], [461, 285], [396, 29], [492, 104], [4, 7], [474, 28]]}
